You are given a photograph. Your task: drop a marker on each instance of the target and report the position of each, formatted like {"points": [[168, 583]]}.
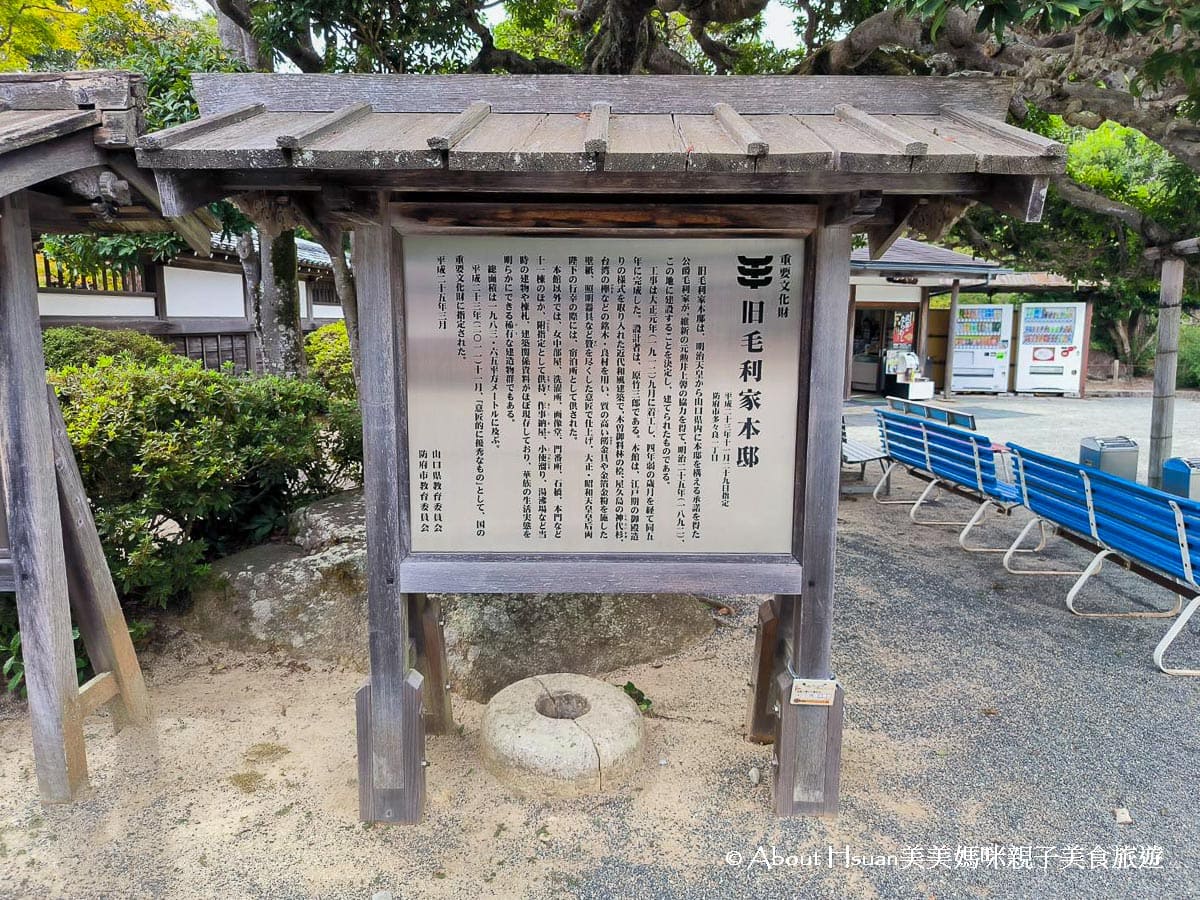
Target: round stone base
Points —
{"points": [[562, 736]]}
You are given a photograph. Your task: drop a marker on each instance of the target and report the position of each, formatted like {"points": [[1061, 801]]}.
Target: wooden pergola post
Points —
{"points": [[34, 526], [808, 745], [1166, 359]]}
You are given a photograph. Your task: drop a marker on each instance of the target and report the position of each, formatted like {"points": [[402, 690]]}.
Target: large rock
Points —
{"points": [[308, 598]]}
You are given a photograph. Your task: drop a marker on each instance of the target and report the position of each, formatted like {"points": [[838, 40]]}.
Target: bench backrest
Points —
{"points": [[963, 457], [933, 413], [1152, 527]]}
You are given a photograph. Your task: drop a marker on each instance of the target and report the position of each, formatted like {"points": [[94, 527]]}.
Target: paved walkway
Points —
{"points": [[1055, 424]]}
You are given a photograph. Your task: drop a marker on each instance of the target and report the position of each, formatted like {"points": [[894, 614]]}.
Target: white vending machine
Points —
{"points": [[1050, 348], [982, 348]]}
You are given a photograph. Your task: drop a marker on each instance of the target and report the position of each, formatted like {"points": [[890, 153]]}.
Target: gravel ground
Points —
{"points": [[980, 714]]}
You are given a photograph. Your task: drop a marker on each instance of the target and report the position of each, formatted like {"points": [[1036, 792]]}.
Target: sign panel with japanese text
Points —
{"points": [[602, 395]]}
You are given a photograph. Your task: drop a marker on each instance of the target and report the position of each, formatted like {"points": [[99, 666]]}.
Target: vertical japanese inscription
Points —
{"points": [[602, 395]]}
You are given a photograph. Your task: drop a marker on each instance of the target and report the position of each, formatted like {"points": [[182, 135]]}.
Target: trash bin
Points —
{"points": [[1182, 476], [1114, 455]]}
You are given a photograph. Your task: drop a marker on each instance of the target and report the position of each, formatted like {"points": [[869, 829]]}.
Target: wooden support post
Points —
{"points": [[947, 390], [94, 602], [1166, 362], [808, 744], [760, 719], [390, 736], [34, 527], [425, 626]]}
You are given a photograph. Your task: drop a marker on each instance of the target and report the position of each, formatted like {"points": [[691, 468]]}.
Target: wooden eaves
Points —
{"points": [[67, 139], [882, 154]]}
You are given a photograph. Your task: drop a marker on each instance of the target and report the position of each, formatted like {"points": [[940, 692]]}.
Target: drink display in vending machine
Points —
{"points": [[982, 348], [1050, 349]]}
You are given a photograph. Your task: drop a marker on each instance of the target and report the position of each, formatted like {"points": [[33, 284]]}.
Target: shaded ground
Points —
{"points": [[979, 713]]}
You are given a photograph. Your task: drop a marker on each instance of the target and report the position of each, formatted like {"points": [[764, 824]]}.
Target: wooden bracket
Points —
{"points": [[808, 750], [387, 791], [425, 628], [881, 237], [761, 717], [854, 208]]}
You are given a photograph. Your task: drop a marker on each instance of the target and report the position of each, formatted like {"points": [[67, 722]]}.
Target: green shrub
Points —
{"points": [[184, 464], [1189, 356], [78, 345], [329, 360]]}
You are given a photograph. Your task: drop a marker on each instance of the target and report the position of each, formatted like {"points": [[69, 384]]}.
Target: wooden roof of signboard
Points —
{"points": [[421, 129], [68, 137]]}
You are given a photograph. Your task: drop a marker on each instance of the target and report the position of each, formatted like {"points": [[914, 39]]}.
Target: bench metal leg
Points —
{"points": [[977, 518], [1016, 548], [1173, 632], [885, 487], [912, 513], [1092, 568]]}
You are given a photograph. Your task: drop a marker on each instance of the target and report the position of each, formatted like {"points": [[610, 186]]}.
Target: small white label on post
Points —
{"points": [[813, 691]]}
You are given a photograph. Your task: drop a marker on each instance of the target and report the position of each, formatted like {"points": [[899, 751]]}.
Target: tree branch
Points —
{"points": [[1086, 198]]}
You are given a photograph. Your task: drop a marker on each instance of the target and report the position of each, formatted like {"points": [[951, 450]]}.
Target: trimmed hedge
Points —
{"points": [[78, 345]]}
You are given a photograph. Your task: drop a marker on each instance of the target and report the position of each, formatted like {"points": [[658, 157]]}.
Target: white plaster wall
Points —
{"points": [[193, 293], [877, 292], [53, 303]]}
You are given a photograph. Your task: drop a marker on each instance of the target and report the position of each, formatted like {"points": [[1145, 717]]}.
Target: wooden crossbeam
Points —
{"points": [[1179, 248]]}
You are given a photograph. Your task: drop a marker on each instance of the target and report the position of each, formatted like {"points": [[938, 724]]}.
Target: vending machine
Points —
{"points": [[982, 348], [1050, 349]]}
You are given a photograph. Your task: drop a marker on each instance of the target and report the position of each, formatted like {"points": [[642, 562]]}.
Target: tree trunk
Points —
{"points": [[333, 242], [277, 311]]}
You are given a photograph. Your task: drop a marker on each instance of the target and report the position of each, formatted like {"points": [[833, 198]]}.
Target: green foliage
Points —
{"points": [[638, 696], [1174, 26], [165, 51], [78, 345], [1089, 247], [1189, 357], [183, 464], [329, 362], [542, 28]]}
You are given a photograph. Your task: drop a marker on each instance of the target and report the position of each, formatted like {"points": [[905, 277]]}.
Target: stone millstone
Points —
{"points": [[562, 735]]}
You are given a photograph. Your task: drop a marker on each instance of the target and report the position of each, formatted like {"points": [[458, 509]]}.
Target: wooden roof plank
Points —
{"points": [[462, 125], [395, 141], [525, 143], [596, 140], [855, 150], [880, 129], [940, 155], [25, 128], [1001, 129], [334, 121], [247, 143], [710, 148], [644, 143], [169, 137], [751, 142], [794, 147], [994, 155], [628, 95]]}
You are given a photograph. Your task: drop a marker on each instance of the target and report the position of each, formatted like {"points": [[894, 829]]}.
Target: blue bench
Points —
{"points": [[952, 459], [932, 412], [1149, 532]]}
